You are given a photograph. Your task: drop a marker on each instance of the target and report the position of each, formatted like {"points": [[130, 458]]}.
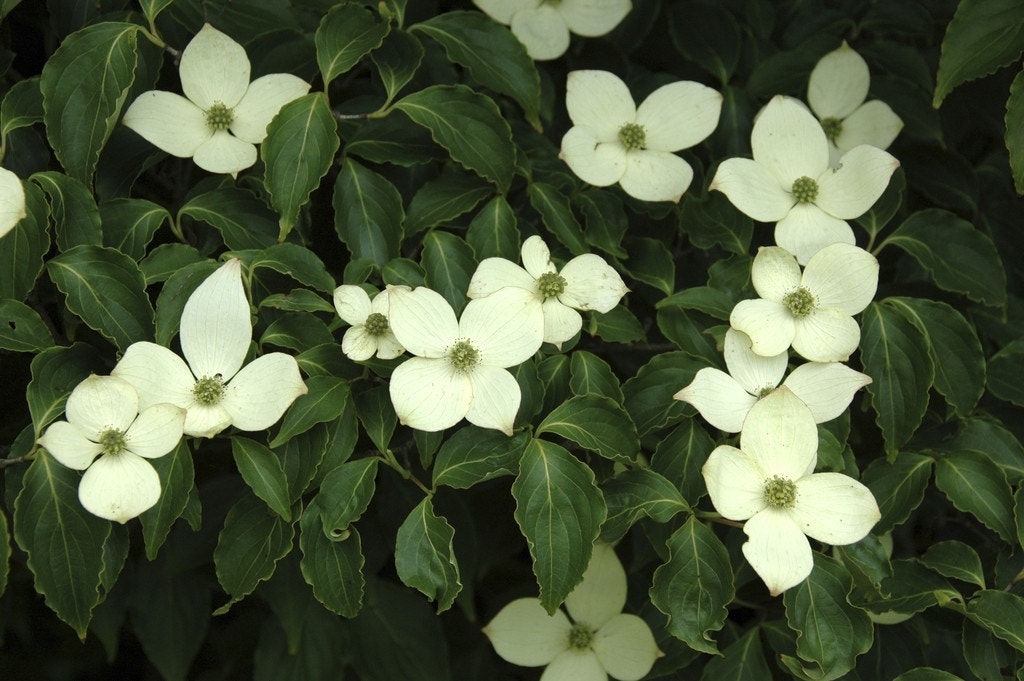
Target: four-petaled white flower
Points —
{"points": [[612, 140], [12, 201], [790, 182], [600, 640], [369, 333], [543, 26], [812, 311], [214, 387], [725, 399], [769, 482], [103, 420], [222, 115], [836, 92], [459, 368], [586, 282]]}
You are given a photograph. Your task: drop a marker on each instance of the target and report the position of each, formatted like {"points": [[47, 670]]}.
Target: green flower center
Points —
{"points": [[580, 636], [219, 116], [633, 136], [832, 127], [112, 441], [779, 492], [209, 390], [550, 284], [463, 356], [800, 302], [805, 189], [765, 391], [376, 324]]}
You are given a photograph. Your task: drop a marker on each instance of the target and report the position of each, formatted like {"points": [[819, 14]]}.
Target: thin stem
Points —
{"points": [[388, 457]]}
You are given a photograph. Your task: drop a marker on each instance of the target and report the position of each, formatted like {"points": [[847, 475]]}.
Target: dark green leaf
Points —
{"points": [[445, 198], [1006, 371], [559, 510], [129, 225], [344, 495], [298, 262], [242, 220], [262, 471], [397, 60], [24, 247], [557, 216], [73, 211], [473, 455], [956, 560], [298, 151], [983, 35], [325, 400], [166, 259], [741, 660], [705, 33], [84, 85], [694, 586], [22, 106], [618, 325], [635, 494], [494, 232], [449, 264], [1001, 612], [333, 568], [55, 373], [649, 393], [424, 555], [898, 486], [680, 456], [106, 289], [22, 329], [977, 486], [652, 263], [467, 124], [591, 375], [368, 213], [1015, 131], [596, 423], [177, 481], [345, 35], [377, 415]]}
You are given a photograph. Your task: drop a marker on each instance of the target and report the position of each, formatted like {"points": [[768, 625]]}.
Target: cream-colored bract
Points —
{"points": [[543, 27], [360, 342], [770, 483], [222, 115], [104, 421], [791, 183], [836, 92], [586, 282], [459, 368], [213, 386], [12, 201], [614, 141], [725, 399], [599, 641], [811, 311]]}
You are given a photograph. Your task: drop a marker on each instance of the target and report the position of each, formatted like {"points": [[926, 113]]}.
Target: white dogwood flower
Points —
{"points": [[836, 92], [770, 483], [543, 26], [586, 282], [12, 201], [213, 386], [107, 436], [369, 333], [599, 641], [612, 140], [725, 399], [790, 182], [222, 115], [460, 365], [812, 311]]}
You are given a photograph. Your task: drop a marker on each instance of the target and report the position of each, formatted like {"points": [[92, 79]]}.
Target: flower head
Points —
{"points": [[12, 201], [836, 92], [369, 333], [103, 420], [770, 483], [812, 311], [790, 182], [612, 140], [599, 641], [213, 386], [459, 367], [222, 115], [725, 399], [586, 282], [543, 26]]}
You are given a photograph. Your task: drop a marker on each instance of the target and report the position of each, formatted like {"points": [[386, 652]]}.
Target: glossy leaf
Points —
{"points": [[591, 375], [976, 485], [472, 455], [983, 35], [424, 555], [333, 568], [956, 560], [449, 264], [177, 482], [55, 373], [22, 329], [377, 415], [556, 214], [73, 211], [242, 220], [368, 213], [345, 35], [106, 289], [635, 494], [325, 400], [694, 586], [345, 494], [444, 199], [262, 471], [559, 510], [494, 231], [129, 225], [24, 247], [898, 486], [1001, 612], [597, 423]]}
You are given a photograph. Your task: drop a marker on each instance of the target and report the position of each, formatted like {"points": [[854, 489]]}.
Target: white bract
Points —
{"points": [[725, 399], [586, 282], [222, 115], [214, 387], [459, 368], [543, 26], [369, 333], [810, 311], [599, 641], [790, 182], [770, 483], [103, 420], [612, 140], [836, 92], [12, 201]]}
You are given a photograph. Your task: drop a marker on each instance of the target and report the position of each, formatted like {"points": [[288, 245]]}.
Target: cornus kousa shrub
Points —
{"points": [[563, 340]]}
